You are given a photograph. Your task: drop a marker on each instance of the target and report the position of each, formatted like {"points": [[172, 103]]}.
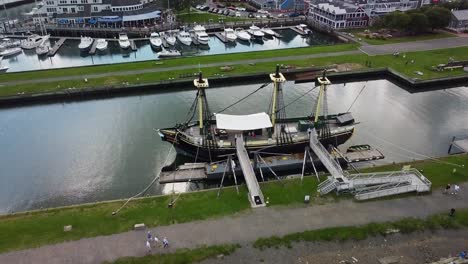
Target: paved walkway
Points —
{"points": [[241, 228], [443, 43], [176, 68]]}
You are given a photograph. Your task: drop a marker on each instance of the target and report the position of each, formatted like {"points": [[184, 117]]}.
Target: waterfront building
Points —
{"points": [[102, 13], [282, 5], [459, 20], [341, 14]]}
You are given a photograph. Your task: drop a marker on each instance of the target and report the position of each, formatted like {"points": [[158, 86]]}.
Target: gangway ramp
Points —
{"points": [[337, 174], [255, 193]]}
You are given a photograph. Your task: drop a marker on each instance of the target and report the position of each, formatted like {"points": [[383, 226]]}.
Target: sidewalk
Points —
{"points": [[422, 45], [241, 228]]}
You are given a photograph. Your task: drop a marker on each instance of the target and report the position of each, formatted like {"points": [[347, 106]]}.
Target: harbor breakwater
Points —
{"points": [[297, 75]]}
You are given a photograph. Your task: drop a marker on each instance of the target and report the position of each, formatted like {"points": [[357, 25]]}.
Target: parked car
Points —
{"points": [[238, 14], [220, 11], [220, 6], [240, 8], [261, 11], [205, 8], [198, 6], [251, 15], [226, 12], [294, 15], [231, 7]]}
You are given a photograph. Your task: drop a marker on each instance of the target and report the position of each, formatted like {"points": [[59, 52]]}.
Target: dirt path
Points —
{"points": [[241, 228]]}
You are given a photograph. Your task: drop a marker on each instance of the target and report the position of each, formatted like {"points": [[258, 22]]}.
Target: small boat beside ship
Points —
{"points": [[169, 53], [169, 37], [242, 34], [33, 41], [268, 32], [184, 38], [229, 34], [256, 32], [11, 52]]}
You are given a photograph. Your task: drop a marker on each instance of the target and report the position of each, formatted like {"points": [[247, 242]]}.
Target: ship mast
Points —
{"points": [[323, 81], [203, 111], [278, 80]]}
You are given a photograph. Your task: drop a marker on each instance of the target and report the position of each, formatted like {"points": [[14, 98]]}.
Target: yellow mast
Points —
{"points": [[278, 79], [201, 84], [323, 81]]}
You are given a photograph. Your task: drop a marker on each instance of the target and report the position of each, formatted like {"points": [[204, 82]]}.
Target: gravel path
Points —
{"points": [[241, 228], [443, 43]]}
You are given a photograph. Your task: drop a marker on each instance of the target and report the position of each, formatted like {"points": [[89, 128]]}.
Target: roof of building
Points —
{"points": [[460, 14], [337, 6], [125, 2]]}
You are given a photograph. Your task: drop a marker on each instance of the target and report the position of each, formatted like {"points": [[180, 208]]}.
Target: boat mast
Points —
{"points": [[201, 84], [278, 80], [323, 81]]}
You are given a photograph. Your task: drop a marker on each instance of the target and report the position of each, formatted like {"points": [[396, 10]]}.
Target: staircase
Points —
{"points": [[327, 186]]}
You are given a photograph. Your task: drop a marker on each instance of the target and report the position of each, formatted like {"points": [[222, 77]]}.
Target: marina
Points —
{"points": [[66, 53], [83, 163]]}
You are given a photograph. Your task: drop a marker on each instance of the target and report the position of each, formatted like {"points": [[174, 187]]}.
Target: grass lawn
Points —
{"points": [[427, 36], [422, 62], [407, 225], [181, 256], [197, 17], [33, 229]]}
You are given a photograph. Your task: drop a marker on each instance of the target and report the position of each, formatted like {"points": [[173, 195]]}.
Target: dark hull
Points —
{"points": [[187, 148]]}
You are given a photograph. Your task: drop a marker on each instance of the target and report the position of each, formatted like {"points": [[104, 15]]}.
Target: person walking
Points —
{"points": [[148, 246], [447, 189], [156, 241], [165, 242], [456, 189], [148, 236]]}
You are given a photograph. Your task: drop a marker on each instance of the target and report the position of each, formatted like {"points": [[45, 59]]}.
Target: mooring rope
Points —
{"points": [[151, 183]]}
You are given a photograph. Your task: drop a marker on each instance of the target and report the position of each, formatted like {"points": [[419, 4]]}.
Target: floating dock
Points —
{"points": [[220, 36], [92, 51], [302, 33], [133, 45], [56, 47], [459, 143]]}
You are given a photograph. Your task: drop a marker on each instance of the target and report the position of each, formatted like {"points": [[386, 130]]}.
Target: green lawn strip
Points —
{"points": [[173, 62], [181, 256], [439, 173], [407, 225], [427, 36], [205, 18]]}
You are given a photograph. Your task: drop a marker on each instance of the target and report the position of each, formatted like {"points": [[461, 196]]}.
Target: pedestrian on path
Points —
{"points": [[165, 242], [452, 212], [456, 189], [447, 189], [156, 241], [148, 246], [148, 236]]}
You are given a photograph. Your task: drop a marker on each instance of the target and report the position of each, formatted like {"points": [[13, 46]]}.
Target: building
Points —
{"points": [[102, 13], [338, 14], [282, 5], [459, 20]]}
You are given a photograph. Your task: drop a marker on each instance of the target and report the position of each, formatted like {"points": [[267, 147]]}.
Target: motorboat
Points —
{"points": [[124, 43], [303, 28], [201, 35], [33, 41], [169, 53], [184, 37], [229, 34], [101, 44], [170, 38], [85, 43], [155, 40], [10, 52], [242, 34], [3, 68], [256, 32], [268, 32], [9, 43], [43, 49]]}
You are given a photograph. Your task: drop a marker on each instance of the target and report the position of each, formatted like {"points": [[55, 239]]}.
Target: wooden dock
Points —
{"points": [[163, 40], [56, 47], [184, 173], [133, 45], [221, 37], [92, 51]]}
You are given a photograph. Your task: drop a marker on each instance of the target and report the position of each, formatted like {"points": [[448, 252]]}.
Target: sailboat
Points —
{"points": [[34, 41], [205, 139]]}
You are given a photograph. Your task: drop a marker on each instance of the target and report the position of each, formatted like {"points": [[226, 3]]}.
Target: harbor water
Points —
{"points": [[70, 56], [69, 153]]}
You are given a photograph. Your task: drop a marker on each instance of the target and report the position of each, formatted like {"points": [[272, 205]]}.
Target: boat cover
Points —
{"points": [[243, 122]]}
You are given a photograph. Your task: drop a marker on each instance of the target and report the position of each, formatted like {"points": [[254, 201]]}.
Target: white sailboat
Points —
{"points": [[124, 42], [268, 31], [229, 34], [170, 38], [201, 35], [33, 41], [242, 34], [101, 44], [43, 49], [155, 40], [184, 37]]}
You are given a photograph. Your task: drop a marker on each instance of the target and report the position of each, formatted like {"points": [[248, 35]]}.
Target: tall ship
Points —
{"points": [[212, 136]]}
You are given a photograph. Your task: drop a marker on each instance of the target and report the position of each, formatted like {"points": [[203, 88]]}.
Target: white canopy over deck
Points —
{"points": [[243, 122]]}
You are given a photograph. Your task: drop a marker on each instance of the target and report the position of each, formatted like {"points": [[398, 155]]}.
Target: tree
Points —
{"points": [[418, 23], [438, 17], [396, 20]]}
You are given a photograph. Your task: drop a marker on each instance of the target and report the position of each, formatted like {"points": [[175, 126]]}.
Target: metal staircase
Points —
{"points": [[327, 186]]}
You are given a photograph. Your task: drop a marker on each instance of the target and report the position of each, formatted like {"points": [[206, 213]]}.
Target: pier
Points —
{"points": [[56, 47], [92, 51], [220, 36]]}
